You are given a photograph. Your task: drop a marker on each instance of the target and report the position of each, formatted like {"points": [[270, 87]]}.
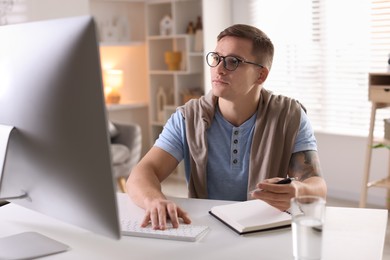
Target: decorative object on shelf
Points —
{"points": [[190, 28], [161, 97], [190, 31], [166, 25], [195, 33], [108, 32], [113, 82], [198, 46], [114, 29], [124, 29], [173, 59]]}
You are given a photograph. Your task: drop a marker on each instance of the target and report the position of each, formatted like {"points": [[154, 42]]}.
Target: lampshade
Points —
{"points": [[114, 78], [113, 81]]}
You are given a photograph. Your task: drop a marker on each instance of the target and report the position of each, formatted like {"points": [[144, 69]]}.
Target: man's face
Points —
{"points": [[241, 82]]}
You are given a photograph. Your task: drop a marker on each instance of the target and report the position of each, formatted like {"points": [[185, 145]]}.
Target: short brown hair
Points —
{"points": [[263, 49]]}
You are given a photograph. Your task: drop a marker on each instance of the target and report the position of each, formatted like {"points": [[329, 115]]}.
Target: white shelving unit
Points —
{"points": [[137, 22], [174, 83]]}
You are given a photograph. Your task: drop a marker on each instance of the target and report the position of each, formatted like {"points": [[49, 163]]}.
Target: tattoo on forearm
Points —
{"points": [[304, 165]]}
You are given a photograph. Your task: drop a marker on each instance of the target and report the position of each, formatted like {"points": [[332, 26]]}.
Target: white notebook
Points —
{"points": [[251, 216]]}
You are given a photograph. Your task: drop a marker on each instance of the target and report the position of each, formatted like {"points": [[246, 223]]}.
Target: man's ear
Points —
{"points": [[263, 74]]}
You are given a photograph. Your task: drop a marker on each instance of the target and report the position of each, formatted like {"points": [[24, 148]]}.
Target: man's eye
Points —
{"points": [[232, 61]]}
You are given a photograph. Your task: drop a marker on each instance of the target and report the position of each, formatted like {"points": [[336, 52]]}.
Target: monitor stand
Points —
{"points": [[5, 135], [29, 245]]}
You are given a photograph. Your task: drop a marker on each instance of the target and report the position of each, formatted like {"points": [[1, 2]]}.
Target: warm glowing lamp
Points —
{"points": [[113, 82]]}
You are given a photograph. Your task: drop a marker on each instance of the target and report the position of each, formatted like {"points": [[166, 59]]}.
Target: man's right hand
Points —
{"points": [[158, 211], [144, 188]]}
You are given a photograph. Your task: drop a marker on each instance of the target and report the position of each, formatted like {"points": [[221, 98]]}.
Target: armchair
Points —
{"points": [[126, 148]]}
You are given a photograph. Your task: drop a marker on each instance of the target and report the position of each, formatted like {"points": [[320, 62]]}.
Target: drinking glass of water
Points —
{"points": [[308, 214]]}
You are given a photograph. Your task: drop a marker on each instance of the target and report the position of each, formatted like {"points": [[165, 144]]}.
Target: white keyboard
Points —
{"points": [[184, 232]]}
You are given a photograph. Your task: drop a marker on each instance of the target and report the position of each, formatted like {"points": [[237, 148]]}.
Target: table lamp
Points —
{"points": [[113, 82]]}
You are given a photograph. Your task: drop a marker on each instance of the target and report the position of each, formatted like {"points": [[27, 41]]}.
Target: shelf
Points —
{"points": [[171, 72], [165, 37], [381, 141], [382, 183], [116, 44], [156, 123], [125, 106], [195, 54]]}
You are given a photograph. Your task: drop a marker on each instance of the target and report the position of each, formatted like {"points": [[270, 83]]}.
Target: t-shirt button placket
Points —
{"points": [[235, 150]]}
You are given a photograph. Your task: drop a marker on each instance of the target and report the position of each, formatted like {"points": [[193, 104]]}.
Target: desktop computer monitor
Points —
{"points": [[58, 154]]}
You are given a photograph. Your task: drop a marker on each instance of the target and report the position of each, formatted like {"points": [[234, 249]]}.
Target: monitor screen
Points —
{"points": [[58, 153]]}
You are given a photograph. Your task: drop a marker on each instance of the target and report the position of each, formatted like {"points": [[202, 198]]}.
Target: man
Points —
{"points": [[237, 138]]}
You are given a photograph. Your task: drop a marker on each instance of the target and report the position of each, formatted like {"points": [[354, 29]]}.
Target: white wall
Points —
{"points": [[51, 9], [342, 157], [343, 162], [217, 15]]}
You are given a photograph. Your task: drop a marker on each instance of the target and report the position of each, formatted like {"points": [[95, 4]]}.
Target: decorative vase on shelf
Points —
{"points": [[198, 45], [198, 35], [173, 59], [161, 98]]}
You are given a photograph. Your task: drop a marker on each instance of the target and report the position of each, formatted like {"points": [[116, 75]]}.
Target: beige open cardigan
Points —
{"points": [[277, 124]]}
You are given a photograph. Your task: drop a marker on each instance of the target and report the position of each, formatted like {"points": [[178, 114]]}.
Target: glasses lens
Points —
{"points": [[213, 59], [231, 63]]}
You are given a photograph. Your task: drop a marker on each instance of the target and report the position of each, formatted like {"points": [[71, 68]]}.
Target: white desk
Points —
{"points": [[350, 233]]}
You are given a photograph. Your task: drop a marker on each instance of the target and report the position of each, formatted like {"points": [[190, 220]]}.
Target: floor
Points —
{"points": [[175, 186]]}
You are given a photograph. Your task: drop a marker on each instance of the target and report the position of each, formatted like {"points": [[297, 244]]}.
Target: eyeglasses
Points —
{"points": [[229, 62]]}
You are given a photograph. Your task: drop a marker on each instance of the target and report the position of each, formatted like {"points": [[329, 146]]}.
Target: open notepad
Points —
{"points": [[251, 216]]}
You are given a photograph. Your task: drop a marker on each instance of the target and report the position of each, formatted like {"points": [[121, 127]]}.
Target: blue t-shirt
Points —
{"points": [[228, 152]]}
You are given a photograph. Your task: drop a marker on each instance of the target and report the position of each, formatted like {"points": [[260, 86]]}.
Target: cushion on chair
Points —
{"points": [[120, 154], [112, 130]]}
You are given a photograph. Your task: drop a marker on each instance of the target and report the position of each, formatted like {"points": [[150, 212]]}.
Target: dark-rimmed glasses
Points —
{"points": [[229, 62]]}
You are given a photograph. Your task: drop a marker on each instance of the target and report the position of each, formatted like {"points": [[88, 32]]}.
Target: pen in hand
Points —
{"points": [[283, 181]]}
